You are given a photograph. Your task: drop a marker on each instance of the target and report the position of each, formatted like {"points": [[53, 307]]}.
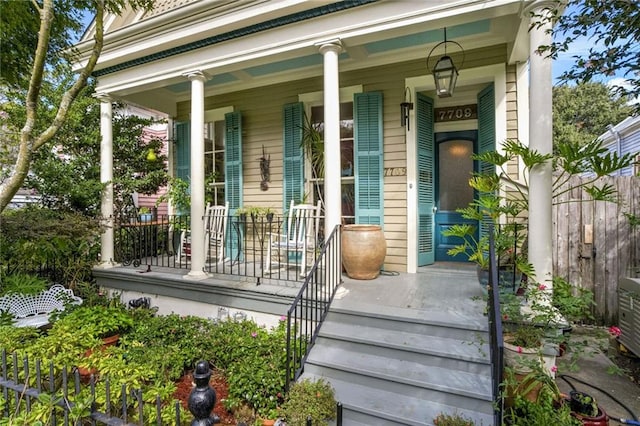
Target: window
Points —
{"points": [[346, 159], [214, 162]]}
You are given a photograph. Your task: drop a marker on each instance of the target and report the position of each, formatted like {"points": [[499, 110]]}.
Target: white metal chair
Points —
{"points": [[300, 236], [215, 229]]}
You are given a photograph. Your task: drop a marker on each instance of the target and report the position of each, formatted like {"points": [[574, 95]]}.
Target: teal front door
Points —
{"points": [[453, 168]]}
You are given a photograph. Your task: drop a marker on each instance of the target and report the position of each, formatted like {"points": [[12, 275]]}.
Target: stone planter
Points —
{"points": [[363, 251], [520, 359]]}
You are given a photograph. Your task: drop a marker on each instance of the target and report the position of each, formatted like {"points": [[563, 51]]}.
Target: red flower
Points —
{"points": [[542, 287], [519, 350], [614, 331]]}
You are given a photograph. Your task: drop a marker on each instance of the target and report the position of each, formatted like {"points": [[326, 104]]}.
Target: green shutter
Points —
{"points": [[369, 162], [183, 150], [486, 138], [293, 160], [233, 177], [425, 185]]}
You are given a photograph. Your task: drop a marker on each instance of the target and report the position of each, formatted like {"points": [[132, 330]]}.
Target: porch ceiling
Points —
{"points": [[375, 34]]}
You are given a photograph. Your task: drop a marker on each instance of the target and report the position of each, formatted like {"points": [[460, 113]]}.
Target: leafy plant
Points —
{"points": [[100, 321], [583, 403], [22, 283], [178, 194], [573, 302], [504, 200], [455, 419], [309, 398]]}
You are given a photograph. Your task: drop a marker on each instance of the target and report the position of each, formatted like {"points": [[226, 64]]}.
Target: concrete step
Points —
{"points": [[469, 390], [374, 406], [444, 323], [471, 356]]}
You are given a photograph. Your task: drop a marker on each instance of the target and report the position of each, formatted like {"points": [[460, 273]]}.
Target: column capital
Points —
{"points": [[196, 75], [334, 45], [536, 6], [103, 96]]}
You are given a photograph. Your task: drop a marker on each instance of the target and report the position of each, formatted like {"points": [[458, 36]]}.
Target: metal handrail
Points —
{"points": [[495, 332], [311, 305]]}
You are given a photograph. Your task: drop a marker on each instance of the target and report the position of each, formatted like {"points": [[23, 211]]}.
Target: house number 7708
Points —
{"points": [[456, 113]]}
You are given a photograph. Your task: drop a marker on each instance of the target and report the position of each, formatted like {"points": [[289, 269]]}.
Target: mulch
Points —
{"points": [[185, 384]]}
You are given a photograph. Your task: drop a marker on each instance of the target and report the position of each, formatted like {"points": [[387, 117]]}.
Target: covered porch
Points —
{"points": [[237, 81]]}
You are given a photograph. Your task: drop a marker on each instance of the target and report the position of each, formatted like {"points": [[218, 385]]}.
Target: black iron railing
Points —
{"points": [[311, 305], [495, 332], [249, 248]]}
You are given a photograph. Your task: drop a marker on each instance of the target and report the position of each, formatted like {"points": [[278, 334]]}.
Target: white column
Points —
{"points": [[332, 178], [540, 140], [106, 178], [197, 175]]}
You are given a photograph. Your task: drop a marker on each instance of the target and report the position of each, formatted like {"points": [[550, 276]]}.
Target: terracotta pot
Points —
{"points": [[525, 386], [363, 251], [85, 373], [268, 422]]}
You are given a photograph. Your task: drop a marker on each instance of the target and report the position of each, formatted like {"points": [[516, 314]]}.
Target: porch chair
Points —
{"points": [[300, 236], [215, 229]]}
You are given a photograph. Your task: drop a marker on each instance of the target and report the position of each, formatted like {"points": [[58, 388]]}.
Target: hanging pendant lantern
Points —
{"points": [[445, 73]]}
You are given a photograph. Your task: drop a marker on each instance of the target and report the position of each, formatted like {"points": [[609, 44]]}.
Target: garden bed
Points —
{"points": [[219, 383]]}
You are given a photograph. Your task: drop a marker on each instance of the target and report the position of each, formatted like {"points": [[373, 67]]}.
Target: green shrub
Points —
{"points": [[171, 342], [35, 237], [309, 398], [254, 361]]}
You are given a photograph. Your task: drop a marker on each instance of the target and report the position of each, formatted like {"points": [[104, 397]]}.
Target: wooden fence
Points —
{"points": [[596, 244]]}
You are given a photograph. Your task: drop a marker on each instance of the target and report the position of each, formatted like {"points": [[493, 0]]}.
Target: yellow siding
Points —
{"points": [[261, 110]]}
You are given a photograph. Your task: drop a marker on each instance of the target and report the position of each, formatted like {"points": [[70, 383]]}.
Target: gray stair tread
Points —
{"points": [[465, 350], [391, 406], [406, 372], [473, 319]]}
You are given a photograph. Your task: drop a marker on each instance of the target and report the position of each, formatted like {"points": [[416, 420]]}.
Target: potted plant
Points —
{"points": [[309, 399], [585, 408], [145, 214], [523, 348]]}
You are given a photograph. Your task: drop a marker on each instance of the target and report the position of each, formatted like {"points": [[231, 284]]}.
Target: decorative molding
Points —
{"points": [[242, 32]]}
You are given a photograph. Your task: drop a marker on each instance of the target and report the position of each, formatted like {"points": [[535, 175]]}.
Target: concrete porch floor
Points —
{"points": [[445, 289], [448, 291]]}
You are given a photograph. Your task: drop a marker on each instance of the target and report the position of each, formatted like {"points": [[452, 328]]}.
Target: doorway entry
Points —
{"points": [[454, 166]]}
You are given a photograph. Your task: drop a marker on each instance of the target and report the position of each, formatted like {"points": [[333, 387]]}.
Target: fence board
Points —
{"points": [[615, 242]]}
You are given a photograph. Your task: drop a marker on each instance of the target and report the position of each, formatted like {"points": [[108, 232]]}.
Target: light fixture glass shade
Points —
{"points": [[445, 75]]}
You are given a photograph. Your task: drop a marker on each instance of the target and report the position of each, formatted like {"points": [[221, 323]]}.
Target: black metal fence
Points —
{"points": [[65, 399], [52, 269], [495, 332], [250, 247], [311, 305], [68, 400]]}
